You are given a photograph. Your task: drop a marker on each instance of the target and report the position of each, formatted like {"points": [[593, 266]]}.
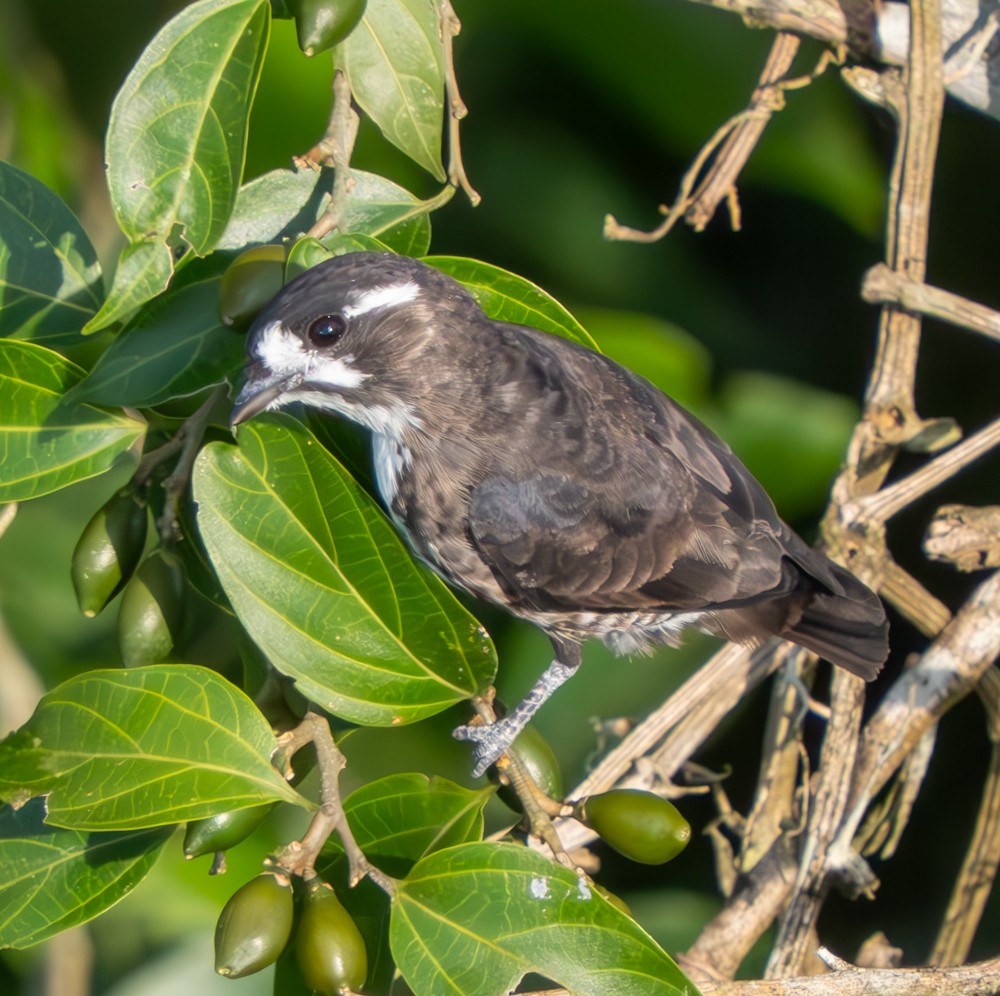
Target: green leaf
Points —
{"points": [[395, 65], [177, 133], [507, 297], [46, 443], [474, 919], [144, 270], [54, 879], [50, 279], [399, 819], [175, 348], [304, 255], [123, 750], [322, 582], [283, 204]]}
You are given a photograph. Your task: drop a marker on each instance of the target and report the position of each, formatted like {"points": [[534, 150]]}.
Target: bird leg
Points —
{"points": [[493, 740]]}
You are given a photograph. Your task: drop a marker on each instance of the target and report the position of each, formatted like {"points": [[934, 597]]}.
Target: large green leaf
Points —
{"points": [[177, 347], [52, 879], [324, 586], [144, 270], [397, 820], [177, 136], [47, 443], [146, 747], [475, 918], [395, 64], [506, 297], [283, 204], [50, 279]]}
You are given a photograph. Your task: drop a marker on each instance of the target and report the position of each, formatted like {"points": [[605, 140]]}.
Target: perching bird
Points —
{"points": [[540, 475]]}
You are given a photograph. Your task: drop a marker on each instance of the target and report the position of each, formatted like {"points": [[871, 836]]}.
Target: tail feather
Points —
{"points": [[845, 624]]}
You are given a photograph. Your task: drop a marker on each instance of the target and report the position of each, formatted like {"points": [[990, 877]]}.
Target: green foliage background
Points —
{"points": [[575, 111]]}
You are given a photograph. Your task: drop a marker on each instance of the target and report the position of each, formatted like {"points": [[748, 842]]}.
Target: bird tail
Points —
{"points": [[842, 619]]}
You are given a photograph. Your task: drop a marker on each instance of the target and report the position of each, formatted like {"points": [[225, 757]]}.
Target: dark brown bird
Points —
{"points": [[540, 475]]}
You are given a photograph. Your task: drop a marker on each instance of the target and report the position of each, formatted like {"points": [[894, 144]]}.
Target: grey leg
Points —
{"points": [[493, 741]]}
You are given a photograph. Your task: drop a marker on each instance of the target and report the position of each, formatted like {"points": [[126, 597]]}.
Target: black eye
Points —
{"points": [[327, 330]]}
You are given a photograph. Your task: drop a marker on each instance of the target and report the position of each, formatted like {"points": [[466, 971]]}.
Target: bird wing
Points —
{"points": [[629, 502]]}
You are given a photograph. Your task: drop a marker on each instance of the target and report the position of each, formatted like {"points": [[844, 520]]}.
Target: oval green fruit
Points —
{"points": [[639, 825], [329, 948], [223, 831], [251, 280], [108, 550], [321, 24], [149, 616], [537, 755], [254, 926]]}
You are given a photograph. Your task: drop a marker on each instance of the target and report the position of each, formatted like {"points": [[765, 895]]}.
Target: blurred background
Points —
{"points": [[575, 111]]}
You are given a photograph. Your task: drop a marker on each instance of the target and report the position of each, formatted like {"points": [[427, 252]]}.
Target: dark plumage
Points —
{"points": [[543, 476]]}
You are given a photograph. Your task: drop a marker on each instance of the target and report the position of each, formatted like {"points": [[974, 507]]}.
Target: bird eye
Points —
{"points": [[327, 330]]}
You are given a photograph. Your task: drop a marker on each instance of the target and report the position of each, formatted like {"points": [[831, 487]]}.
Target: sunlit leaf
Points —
{"points": [[507, 297], [322, 582], [45, 442], [474, 919], [177, 347], [55, 879], [50, 279], [123, 750], [177, 134], [394, 62]]}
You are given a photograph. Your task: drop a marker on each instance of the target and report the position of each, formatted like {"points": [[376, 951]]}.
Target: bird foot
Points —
{"points": [[492, 740]]}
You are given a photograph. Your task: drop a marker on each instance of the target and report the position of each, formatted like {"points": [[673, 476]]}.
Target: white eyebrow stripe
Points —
{"points": [[381, 297]]}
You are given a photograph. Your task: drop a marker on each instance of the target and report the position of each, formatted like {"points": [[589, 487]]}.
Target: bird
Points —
{"points": [[535, 473]]}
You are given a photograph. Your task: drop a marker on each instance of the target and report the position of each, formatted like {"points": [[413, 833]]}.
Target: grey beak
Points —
{"points": [[260, 390]]}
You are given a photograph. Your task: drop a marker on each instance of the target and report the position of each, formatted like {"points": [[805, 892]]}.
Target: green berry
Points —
{"points": [[222, 831], [149, 616], [329, 948], [639, 825], [108, 550], [536, 754], [321, 24], [254, 926], [248, 285]]}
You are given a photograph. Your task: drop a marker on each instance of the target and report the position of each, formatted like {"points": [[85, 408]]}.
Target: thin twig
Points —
{"points": [[450, 26], [299, 857]]}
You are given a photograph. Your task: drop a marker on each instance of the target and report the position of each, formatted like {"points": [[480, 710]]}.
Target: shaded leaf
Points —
{"points": [[144, 270], [55, 879], [177, 132], [143, 747], [50, 279], [506, 297], [322, 582], [285, 203], [395, 64], [475, 918], [176, 347], [47, 443], [304, 255]]}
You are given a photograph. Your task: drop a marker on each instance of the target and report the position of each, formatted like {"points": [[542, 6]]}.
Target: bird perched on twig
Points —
{"points": [[540, 475]]}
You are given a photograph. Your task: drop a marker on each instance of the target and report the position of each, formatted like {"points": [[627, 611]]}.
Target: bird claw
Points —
{"points": [[492, 741]]}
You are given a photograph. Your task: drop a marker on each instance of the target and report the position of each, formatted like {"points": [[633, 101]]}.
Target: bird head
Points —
{"points": [[358, 335]]}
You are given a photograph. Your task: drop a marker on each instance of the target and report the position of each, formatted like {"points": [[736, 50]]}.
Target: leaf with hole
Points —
{"points": [[474, 919]]}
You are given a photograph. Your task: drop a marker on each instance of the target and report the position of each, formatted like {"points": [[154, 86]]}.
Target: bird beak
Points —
{"points": [[260, 390]]}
